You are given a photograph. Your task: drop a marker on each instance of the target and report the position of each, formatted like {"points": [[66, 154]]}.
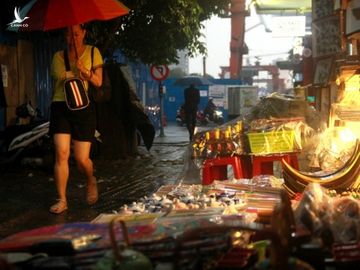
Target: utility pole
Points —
{"points": [[204, 66], [161, 96]]}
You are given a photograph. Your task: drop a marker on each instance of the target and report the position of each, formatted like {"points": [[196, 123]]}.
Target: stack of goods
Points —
{"points": [[279, 106], [227, 141], [184, 200], [333, 219], [349, 107], [346, 113], [260, 193]]}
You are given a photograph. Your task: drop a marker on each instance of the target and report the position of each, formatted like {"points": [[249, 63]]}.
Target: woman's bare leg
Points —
{"points": [[85, 165], [61, 170]]}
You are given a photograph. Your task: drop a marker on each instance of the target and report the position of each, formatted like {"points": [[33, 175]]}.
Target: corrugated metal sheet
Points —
{"points": [[44, 48]]}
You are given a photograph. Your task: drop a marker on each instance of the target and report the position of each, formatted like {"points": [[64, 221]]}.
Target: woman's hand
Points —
{"points": [[84, 73]]}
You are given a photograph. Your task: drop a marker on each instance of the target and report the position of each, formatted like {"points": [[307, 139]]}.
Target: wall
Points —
{"points": [[8, 60], [18, 64], [174, 98]]}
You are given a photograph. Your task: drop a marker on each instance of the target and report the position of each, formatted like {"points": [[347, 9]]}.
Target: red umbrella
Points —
{"points": [[46, 15]]}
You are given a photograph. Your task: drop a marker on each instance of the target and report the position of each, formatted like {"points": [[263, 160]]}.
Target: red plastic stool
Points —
{"points": [[263, 165], [216, 168]]}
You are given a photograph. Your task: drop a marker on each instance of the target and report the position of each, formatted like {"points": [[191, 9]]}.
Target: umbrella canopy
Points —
{"points": [[44, 15], [196, 80]]}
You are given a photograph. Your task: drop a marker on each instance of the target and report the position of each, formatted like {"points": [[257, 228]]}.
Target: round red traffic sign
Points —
{"points": [[159, 72]]}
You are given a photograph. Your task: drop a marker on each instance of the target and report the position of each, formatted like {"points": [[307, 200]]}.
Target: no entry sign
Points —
{"points": [[159, 72]]}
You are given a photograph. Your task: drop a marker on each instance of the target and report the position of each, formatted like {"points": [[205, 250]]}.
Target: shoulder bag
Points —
{"points": [[74, 89]]}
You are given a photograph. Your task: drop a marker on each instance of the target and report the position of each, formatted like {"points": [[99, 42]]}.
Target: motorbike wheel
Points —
{"points": [[220, 121]]}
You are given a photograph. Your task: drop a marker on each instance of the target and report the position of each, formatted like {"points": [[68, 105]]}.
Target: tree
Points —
{"points": [[154, 30]]}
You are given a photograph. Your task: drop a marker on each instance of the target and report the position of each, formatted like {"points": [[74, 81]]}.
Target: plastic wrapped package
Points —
{"points": [[346, 220], [314, 212], [333, 219], [226, 140], [271, 136], [279, 124], [333, 148], [266, 181], [277, 105]]}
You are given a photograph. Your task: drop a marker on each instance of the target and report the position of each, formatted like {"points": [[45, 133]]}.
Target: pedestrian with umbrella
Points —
{"points": [[76, 126], [66, 125]]}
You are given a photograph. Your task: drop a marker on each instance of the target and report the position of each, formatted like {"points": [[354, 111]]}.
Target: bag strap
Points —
{"points": [[92, 57], [66, 59]]}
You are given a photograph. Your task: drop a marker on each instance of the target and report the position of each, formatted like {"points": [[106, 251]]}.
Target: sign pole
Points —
{"points": [[161, 94], [159, 73]]}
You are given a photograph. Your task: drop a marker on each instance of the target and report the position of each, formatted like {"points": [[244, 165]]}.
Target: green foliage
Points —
{"points": [[154, 30]]}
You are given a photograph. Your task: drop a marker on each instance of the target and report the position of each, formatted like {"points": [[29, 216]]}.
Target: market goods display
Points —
{"points": [[226, 141], [184, 197], [221, 197], [277, 105], [332, 148], [189, 241], [262, 137], [347, 177], [260, 193], [333, 218]]}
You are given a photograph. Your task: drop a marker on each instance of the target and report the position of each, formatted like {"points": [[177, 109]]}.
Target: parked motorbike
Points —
{"points": [[180, 116], [201, 118], [212, 114], [153, 113], [22, 142]]}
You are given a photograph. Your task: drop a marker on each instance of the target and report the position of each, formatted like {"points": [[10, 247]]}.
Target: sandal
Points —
{"points": [[92, 192], [59, 207]]}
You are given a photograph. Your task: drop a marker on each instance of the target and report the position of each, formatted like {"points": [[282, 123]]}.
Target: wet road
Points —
{"points": [[27, 193]]}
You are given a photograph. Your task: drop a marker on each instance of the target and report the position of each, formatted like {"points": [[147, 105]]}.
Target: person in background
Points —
{"points": [[76, 127], [192, 100]]}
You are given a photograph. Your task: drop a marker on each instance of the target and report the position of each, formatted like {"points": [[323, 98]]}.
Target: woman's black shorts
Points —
{"points": [[80, 124]]}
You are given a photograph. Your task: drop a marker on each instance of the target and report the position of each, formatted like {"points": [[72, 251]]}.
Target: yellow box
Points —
{"points": [[272, 142]]}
